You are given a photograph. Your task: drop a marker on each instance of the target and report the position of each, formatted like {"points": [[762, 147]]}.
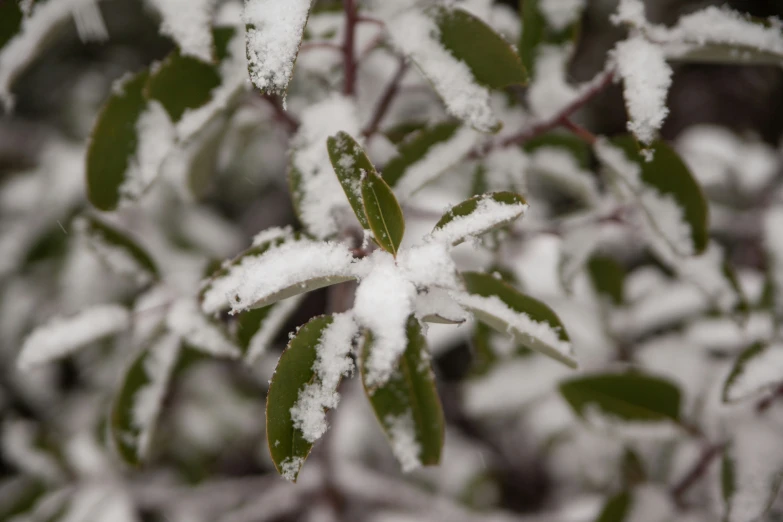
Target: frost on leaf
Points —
{"points": [[402, 435], [417, 36], [64, 335], [189, 23], [283, 271], [318, 197], [646, 78], [331, 365], [274, 32], [478, 215]]}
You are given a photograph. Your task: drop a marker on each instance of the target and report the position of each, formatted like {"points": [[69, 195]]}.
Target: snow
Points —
{"points": [[89, 23], [402, 435], [550, 91], [438, 159], [290, 467], [280, 272], [156, 138], [321, 192], [538, 335], [725, 334], [384, 300], [428, 264], [647, 78], [762, 372], [333, 362], [560, 166], [273, 322], [670, 303], [158, 364], [436, 305], [488, 214], [559, 14], [706, 273], [44, 17], [606, 422], [417, 36], [773, 241], [186, 320], [19, 447], [62, 336], [579, 243], [274, 33], [189, 23]]}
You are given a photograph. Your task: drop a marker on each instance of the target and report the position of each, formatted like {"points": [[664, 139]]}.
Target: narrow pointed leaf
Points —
{"points": [[304, 386], [139, 400], [532, 323], [608, 278], [119, 252], [114, 142], [407, 406], [384, 214], [350, 164], [478, 215], [624, 396], [180, 83], [757, 369]]}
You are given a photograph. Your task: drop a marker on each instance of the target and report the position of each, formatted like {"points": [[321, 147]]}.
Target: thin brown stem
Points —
{"points": [[582, 133], [386, 99], [349, 54], [696, 473], [290, 123]]}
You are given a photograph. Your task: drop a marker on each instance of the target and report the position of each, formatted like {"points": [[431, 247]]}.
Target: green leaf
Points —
{"points": [[536, 31], [256, 329], [630, 396], [294, 371], [351, 164], [532, 323], [669, 176], [180, 83], [608, 277], [398, 133], [479, 215], [616, 508], [20, 494], [568, 142], [112, 245], [114, 141], [758, 355], [490, 58], [139, 401], [10, 20], [408, 406], [415, 147], [383, 212]]}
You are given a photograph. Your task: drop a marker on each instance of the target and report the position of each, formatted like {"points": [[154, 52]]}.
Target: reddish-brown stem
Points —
{"points": [[349, 55], [281, 115], [584, 134], [764, 404], [386, 99], [696, 473]]}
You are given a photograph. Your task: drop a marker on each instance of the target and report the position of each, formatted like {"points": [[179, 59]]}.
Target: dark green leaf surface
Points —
{"points": [[180, 83], [10, 20], [616, 508], [93, 227], [491, 59], [383, 212], [471, 205], [629, 396], [669, 175], [415, 147], [608, 277], [350, 164], [410, 391], [114, 141], [485, 285], [288, 447]]}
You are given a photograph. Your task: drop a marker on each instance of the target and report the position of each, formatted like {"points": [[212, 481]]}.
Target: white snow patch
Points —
{"points": [[290, 467], [550, 91], [189, 23], [488, 214], [630, 429], [332, 363], [271, 325], [274, 32], [417, 36], [405, 447], [63, 336], [559, 14], [762, 372], [186, 320], [428, 264]]}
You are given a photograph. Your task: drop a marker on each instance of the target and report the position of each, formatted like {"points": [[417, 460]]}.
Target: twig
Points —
{"points": [[764, 404], [349, 56], [386, 99], [698, 471], [281, 115], [584, 134]]}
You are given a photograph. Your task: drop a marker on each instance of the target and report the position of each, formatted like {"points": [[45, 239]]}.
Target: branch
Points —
{"points": [[281, 115], [349, 56], [697, 472], [386, 99]]}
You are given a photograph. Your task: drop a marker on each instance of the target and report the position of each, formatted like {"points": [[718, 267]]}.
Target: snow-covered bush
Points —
{"points": [[553, 320]]}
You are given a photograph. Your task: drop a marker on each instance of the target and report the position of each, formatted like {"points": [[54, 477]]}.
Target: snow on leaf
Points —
{"points": [[550, 91], [478, 215], [427, 154], [62, 336], [560, 14], [646, 78], [35, 33], [407, 404], [547, 22], [384, 301], [532, 323], [139, 400], [188, 321], [283, 271], [350, 164], [417, 35], [189, 23], [758, 368], [559, 167], [316, 191], [429, 264], [773, 241], [274, 32]]}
